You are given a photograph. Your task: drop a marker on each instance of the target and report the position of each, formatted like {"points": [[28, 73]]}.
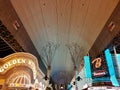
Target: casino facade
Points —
{"points": [[19, 70]]}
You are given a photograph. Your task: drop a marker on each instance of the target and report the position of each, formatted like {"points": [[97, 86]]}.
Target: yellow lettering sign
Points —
{"points": [[17, 61], [97, 62]]}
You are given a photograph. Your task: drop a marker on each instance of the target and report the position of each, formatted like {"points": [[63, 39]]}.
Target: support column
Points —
{"points": [[76, 74], [48, 75]]}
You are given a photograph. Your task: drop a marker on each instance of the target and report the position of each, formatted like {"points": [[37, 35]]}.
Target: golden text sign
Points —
{"points": [[17, 62]]}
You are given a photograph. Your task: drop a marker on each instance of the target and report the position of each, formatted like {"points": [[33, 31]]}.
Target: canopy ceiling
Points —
{"points": [[63, 22]]}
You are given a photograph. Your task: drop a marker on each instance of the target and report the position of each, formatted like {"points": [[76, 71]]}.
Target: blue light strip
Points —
{"points": [[118, 59], [118, 64], [114, 80], [87, 67], [101, 79], [111, 68], [69, 87]]}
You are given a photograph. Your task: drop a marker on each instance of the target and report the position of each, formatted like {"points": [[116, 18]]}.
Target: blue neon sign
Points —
{"points": [[87, 67], [111, 68]]}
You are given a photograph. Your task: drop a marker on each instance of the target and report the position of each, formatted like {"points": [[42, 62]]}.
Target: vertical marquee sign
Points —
{"points": [[100, 68], [87, 66], [111, 68], [95, 67]]}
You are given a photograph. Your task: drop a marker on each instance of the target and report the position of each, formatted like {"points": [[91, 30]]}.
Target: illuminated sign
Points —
{"points": [[99, 68], [102, 68], [16, 62], [104, 88], [11, 63], [99, 73], [98, 88], [111, 67], [97, 62], [87, 67]]}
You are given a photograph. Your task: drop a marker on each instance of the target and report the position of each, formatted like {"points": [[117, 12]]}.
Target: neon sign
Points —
{"points": [[99, 68], [11, 63], [16, 62], [97, 62]]}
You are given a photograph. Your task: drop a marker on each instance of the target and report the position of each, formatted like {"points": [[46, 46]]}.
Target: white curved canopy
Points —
{"points": [[63, 22]]}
